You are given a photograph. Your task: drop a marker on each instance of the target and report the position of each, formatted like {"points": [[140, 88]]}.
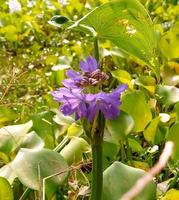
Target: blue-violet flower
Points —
{"points": [[75, 101]]}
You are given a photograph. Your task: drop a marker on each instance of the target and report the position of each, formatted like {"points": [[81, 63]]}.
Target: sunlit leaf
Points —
{"points": [[31, 166], [73, 151], [172, 194], [12, 136], [134, 104], [168, 95], [119, 178], [169, 43], [120, 126], [151, 130], [174, 136], [6, 192]]}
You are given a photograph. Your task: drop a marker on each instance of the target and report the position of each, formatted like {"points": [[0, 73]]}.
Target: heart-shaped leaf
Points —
{"points": [[12, 136], [125, 23], [119, 178], [134, 104], [32, 166]]}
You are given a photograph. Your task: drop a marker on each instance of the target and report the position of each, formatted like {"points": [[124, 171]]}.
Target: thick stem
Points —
{"points": [[96, 49], [97, 158], [97, 172]]}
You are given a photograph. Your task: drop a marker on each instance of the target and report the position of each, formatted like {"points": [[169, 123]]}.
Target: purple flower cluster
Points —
{"points": [[83, 105]]}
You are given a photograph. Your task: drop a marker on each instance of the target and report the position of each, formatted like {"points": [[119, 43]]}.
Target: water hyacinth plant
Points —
{"points": [[82, 95]]}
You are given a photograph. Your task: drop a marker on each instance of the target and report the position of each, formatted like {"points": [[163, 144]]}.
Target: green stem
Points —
{"points": [[97, 158], [97, 172], [96, 49]]}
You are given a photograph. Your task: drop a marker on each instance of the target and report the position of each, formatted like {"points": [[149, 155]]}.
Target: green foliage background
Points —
{"points": [[33, 58]]}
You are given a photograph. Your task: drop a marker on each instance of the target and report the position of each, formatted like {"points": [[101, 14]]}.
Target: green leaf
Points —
{"points": [[120, 126], [7, 172], [174, 136], [32, 141], [134, 104], [110, 151], [73, 151], [169, 43], [74, 130], [61, 119], [148, 82], [151, 130], [172, 194], [31, 166], [135, 145], [119, 178], [125, 23], [12, 136], [168, 95], [44, 127], [6, 192], [123, 76]]}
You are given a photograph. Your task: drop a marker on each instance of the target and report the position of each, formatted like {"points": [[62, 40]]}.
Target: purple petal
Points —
{"points": [[92, 63], [73, 74], [89, 65], [69, 83]]}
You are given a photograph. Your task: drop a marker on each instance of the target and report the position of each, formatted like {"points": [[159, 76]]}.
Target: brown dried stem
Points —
{"points": [[143, 181]]}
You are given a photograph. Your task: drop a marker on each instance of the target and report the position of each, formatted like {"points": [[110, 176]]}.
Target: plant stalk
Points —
{"points": [[97, 158], [96, 49]]}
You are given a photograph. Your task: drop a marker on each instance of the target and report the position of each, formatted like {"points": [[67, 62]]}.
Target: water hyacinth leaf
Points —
{"points": [[61, 119], [114, 189], [126, 24], [12, 136], [32, 141], [123, 77], [73, 151], [151, 130], [74, 130], [110, 151], [6, 192], [170, 41], [134, 104], [134, 145], [174, 136], [44, 127], [8, 173], [120, 126], [172, 194], [30, 164], [148, 82], [167, 95]]}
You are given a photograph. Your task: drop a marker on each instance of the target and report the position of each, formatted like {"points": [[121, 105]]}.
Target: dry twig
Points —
{"points": [[143, 181]]}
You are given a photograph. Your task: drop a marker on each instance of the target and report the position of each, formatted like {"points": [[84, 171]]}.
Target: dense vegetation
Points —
{"points": [[44, 152]]}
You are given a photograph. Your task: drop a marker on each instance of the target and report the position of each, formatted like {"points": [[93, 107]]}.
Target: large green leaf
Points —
{"points": [[44, 127], [73, 151], [119, 178], [7, 172], [120, 126], [6, 192], [151, 130], [169, 43], [31, 166], [134, 104], [174, 136], [12, 136], [125, 23], [167, 95]]}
